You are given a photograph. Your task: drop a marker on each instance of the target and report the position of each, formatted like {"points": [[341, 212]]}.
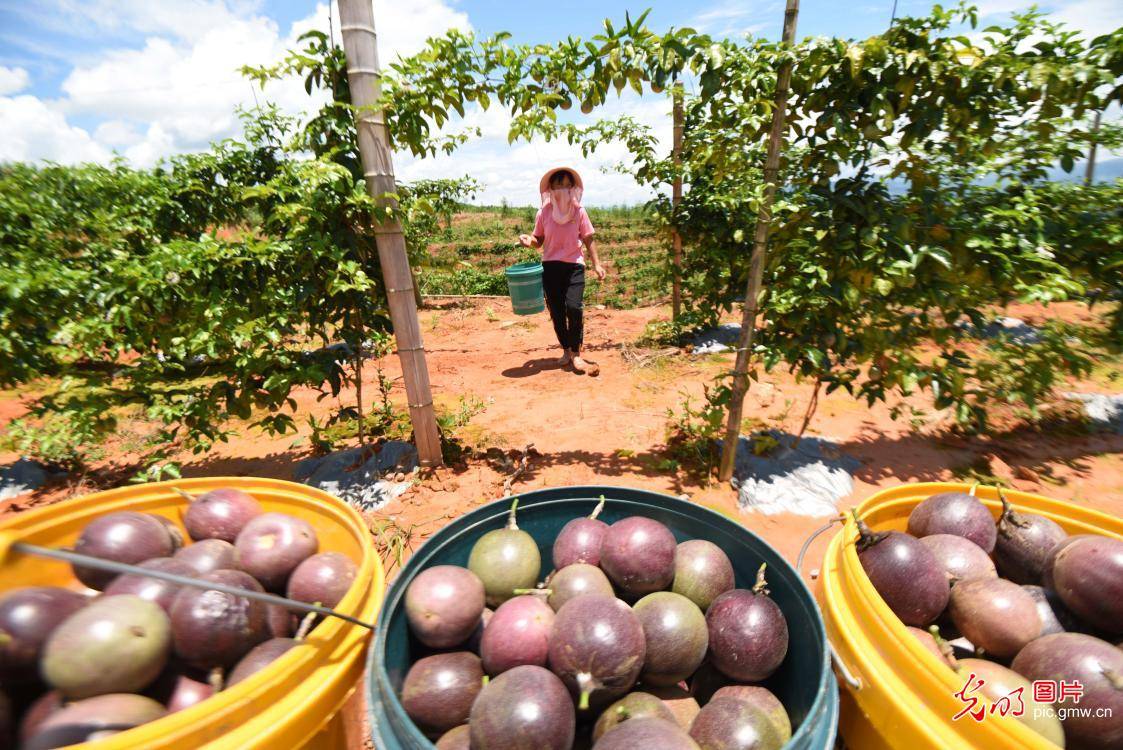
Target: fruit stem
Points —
{"points": [[1114, 678], [761, 586], [944, 646], [974, 487], [486, 679], [1009, 515], [511, 523], [306, 624], [184, 494], [866, 537], [215, 679], [597, 510], [522, 592], [585, 685]]}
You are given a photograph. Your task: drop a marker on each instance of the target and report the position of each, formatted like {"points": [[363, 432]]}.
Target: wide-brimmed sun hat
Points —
{"points": [[544, 183]]}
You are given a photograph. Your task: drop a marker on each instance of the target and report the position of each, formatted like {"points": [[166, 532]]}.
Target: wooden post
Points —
{"points": [[360, 45], [676, 200], [759, 255], [1090, 170]]}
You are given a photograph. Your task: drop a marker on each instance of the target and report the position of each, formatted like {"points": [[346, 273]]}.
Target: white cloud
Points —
{"points": [[30, 126], [1091, 17], [12, 80], [117, 134], [182, 19], [179, 89], [734, 18], [512, 172]]}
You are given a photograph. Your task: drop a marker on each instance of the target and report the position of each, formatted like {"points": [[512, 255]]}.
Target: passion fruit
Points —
{"points": [[153, 589], [646, 732], [272, 545], [94, 718], [632, 706], [748, 633], [597, 647], [209, 555], [444, 605], [220, 514], [124, 537], [956, 513], [527, 707], [215, 629], [905, 573], [702, 572], [324, 578], [518, 634], [996, 615], [505, 560], [1023, 543], [116, 644], [729, 722], [676, 635], [27, 618], [576, 580], [1097, 667], [638, 555], [580, 540]]}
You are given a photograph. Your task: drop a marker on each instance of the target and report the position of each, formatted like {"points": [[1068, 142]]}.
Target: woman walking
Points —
{"points": [[562, 228]]}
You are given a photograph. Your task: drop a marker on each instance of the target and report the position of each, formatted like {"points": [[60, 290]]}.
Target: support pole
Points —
{"points": [[759, 255], [360, 46], [1090, 170], [676, 200]]}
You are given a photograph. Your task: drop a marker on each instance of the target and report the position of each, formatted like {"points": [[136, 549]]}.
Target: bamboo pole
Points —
{"points": [[1090, 170], [360, 46], [676, 200], [759, 255]]}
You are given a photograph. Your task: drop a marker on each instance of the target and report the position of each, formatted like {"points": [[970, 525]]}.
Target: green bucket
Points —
{"points": [[524, 282], [805, 683]]}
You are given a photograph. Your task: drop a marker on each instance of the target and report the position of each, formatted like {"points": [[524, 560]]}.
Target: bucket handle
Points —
{"points": [[843, 671]]}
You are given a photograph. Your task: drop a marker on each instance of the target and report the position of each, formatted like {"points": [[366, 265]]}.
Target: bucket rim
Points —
{"points": [[525, 267], [823, 709]]}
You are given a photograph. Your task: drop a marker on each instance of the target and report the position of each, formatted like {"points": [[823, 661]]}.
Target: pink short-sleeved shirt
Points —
{"points": [[562, 241]]}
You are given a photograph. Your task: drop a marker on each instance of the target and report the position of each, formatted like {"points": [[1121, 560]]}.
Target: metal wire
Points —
{"points": [[843, 671], [75, 558]]}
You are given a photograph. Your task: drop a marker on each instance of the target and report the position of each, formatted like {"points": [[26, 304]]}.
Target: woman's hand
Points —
{"points": [[526, 240], [598, 269]]}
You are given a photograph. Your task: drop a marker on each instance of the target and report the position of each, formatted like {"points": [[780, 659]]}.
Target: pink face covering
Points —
{"points": [[563, 202]]}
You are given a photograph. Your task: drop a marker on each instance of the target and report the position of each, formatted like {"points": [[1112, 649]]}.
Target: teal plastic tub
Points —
{"points": [[524, 283], [804, 683]]}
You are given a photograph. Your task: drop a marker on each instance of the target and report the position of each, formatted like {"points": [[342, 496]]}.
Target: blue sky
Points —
{"points": [[83, 80]]}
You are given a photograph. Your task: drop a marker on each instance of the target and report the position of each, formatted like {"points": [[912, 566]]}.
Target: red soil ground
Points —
{"points": [[611, 429]]}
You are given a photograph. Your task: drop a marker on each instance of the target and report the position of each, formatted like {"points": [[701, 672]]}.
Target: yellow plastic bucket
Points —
{"points": [[896, 694], [292, 703]]}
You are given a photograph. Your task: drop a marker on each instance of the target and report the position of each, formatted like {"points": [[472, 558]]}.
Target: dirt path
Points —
{"points": [[610, 429]]}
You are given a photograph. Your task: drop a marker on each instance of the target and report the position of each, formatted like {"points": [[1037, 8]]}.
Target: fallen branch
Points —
{"points": [[636, 358], [524, 462]]}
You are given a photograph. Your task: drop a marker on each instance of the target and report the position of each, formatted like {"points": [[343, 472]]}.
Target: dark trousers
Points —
{"points": [[564, 286]]}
